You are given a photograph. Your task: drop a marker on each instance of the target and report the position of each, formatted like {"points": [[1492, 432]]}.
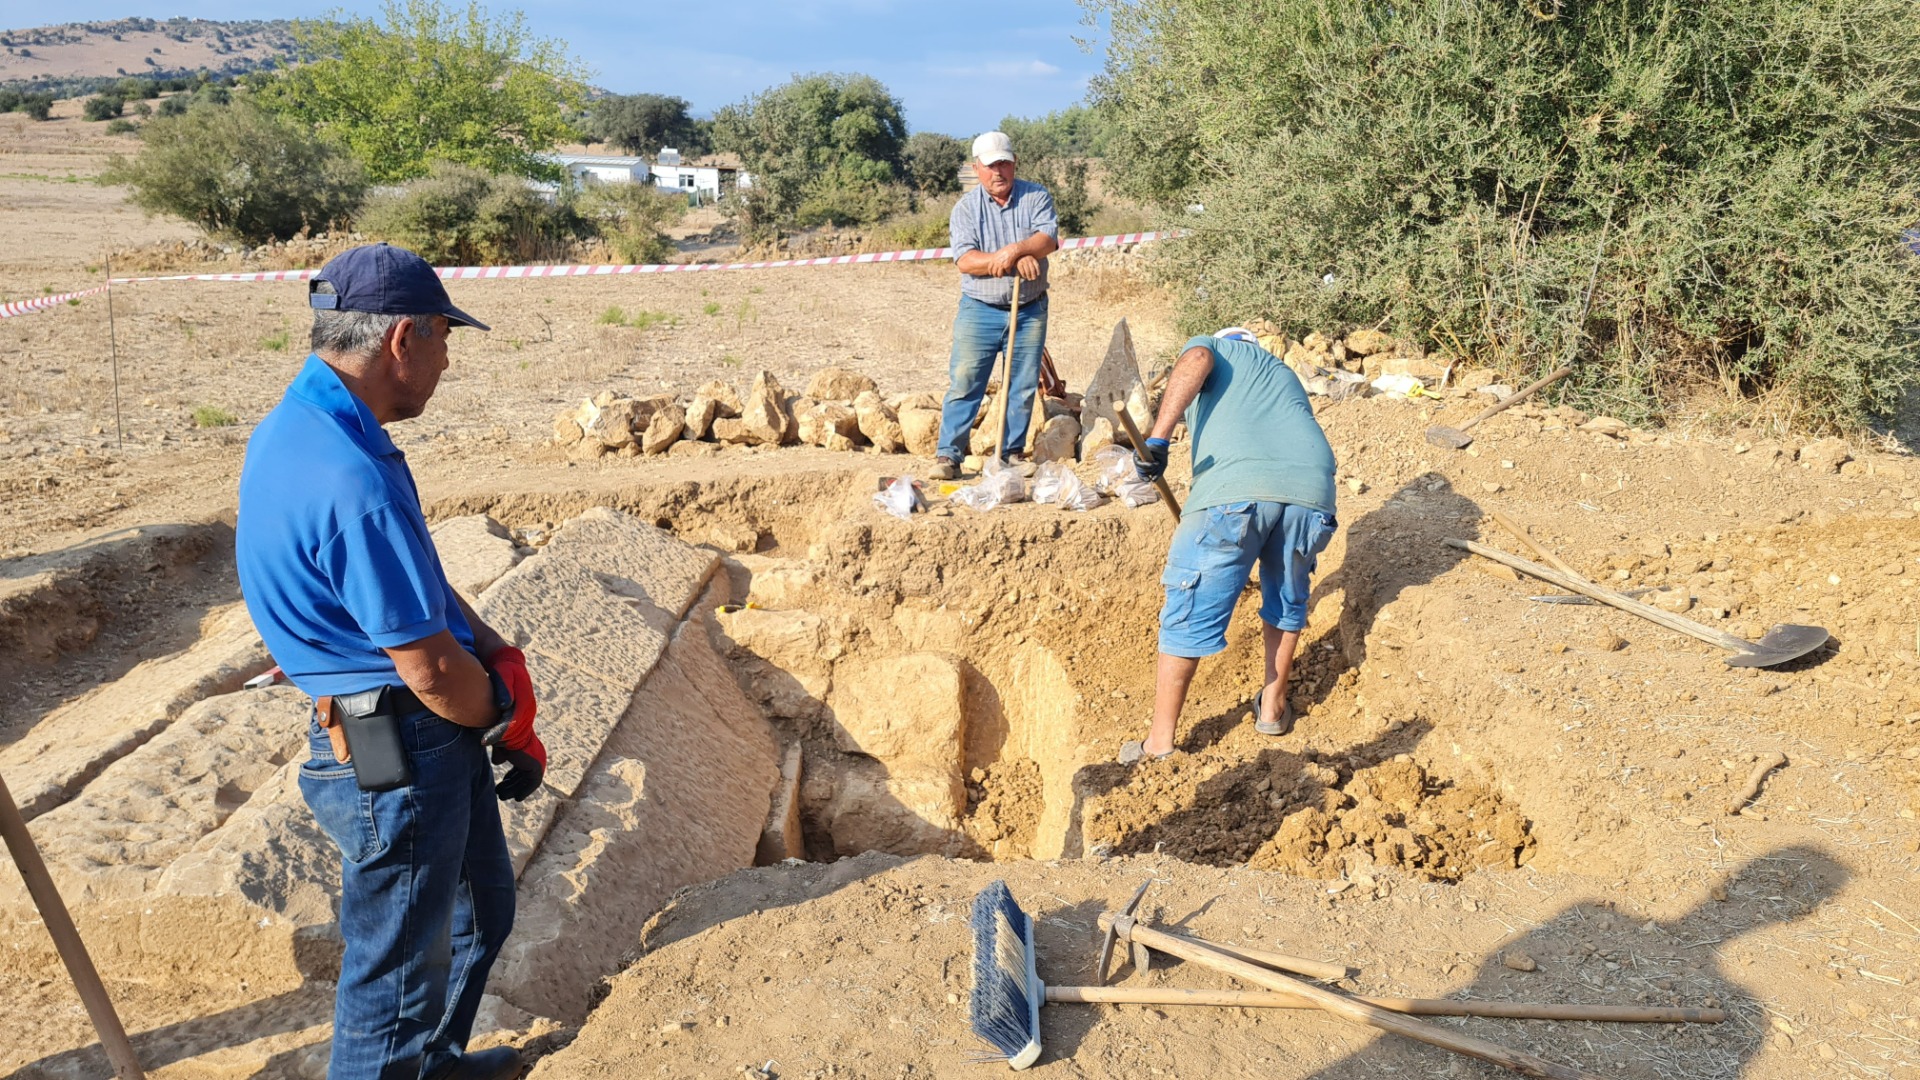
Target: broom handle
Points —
{"points": [[1269, 999], [1360, 1012], [66, 939]]}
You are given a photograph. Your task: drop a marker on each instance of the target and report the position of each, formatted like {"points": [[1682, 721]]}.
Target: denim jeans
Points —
{"points": [[979, 337], [426, 899]]}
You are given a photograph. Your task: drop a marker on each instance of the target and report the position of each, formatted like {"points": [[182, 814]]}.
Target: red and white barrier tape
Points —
{"points": [[42, 303], [483, 273]]}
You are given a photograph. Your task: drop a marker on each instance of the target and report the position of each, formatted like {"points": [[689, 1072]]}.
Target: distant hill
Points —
{"points": [[64, 58]]}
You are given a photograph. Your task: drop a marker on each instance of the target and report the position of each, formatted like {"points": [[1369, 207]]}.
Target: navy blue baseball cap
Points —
{"points": [[385, 280]]}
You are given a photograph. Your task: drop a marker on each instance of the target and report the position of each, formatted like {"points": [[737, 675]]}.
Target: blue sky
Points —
{"points": [[958, 67]]}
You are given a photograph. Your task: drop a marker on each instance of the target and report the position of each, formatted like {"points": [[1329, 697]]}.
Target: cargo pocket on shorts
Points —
{"points": [[1181, 585], [344, 812], [1227, 526]]}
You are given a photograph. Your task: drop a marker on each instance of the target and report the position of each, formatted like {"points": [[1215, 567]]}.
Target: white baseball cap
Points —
{"points": [[1236, 333], [991, 147]]}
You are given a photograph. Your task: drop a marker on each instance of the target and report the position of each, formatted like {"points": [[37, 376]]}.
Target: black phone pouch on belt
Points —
{"points": [[371, 722]]}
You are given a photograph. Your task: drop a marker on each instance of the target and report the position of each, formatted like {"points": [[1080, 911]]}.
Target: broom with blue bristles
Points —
{"points": [[1004, 1009]]}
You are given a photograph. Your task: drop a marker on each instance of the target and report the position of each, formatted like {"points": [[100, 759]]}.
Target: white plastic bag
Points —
{"points": [[899, 498], [998, 486], [1054, 482], [1119, 478], [1400, 386]]}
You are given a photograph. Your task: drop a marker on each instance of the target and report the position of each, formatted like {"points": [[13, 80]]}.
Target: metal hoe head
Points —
{"points": [[1106, 943], [1783, 643], [1447, 438]]}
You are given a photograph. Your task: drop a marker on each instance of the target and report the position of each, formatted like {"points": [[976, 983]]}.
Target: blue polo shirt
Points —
{"points": [[334, 556]]}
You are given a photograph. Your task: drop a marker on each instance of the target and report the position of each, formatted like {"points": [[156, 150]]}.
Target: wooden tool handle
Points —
{"points": [[1516, 399], [1006, 372], [1360, 1012], [1312, 969], [1546, 556], [1274, 999], [1140, 447], [66, 939], [1575, 583]]}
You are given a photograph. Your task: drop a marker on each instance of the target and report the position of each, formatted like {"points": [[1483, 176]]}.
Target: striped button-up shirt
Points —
{"points": [[980, 224]]}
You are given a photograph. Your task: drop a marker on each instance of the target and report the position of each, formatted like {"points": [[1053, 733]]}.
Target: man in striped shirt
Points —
{"points": [[1001, 230]]}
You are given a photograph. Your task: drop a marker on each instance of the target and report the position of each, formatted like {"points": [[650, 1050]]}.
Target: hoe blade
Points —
{"points": [[1785, 642], [1447, 438]]}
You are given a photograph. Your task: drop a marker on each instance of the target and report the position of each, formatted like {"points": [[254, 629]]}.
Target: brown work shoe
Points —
{"points": [[945, 469]]}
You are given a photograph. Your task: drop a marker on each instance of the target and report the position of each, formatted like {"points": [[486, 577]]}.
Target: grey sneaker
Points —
{"points": [[945, 469]]}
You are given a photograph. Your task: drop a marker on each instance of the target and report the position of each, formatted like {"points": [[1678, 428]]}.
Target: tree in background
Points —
{"points": [[461, 215], [431, 82], [238, 171], [934, 161], [822, 148], [1743, 168], [1053, 151], [643, 123]]}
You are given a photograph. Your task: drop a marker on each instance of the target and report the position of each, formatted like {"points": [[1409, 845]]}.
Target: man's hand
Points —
{"points": [[1150, 461], [1001, 263], [519, 746], [1028, 268]]}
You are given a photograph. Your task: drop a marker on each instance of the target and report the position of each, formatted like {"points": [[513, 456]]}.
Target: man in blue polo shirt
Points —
{"points": [[1262, 491], [1003, 229], [410, 687]]}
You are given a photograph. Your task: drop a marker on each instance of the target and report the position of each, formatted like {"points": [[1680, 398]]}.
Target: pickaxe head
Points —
{"points": [[1106, 943]]}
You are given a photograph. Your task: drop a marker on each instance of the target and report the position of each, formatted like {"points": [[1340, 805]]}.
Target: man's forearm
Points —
{"points": [[486, 641], [1189, 375], [976, 264], [1039, 245]]}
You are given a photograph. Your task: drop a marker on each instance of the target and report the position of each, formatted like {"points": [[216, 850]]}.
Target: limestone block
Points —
{"points": [[115, 836], [921, 400], [787, 657], [782, 838], [767, 420], [907, 709], [1825, 455], [900, 811], [731, 432], [620, 421], [474, 551], [72, 744], [1368, 342], [1098, 437], [725, 398], [920, 429], [1058, 440], [1605, 425], [1417, 366], [779, 583], [557, 607], [680, 797], [666, 571], [825, 420], [701, 413], [566, 430], [663, 430], [577, 714], [879, 424], [840, 444], [838, 384]]}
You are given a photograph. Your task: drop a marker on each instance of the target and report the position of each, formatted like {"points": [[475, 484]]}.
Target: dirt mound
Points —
{"points": [[1312, 815]]}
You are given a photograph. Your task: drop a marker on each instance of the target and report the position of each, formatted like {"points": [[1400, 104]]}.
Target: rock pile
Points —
{"points": [[840, 410]]}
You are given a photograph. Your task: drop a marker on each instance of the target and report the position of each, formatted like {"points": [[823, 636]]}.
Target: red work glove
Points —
{"points": [[519, 747]]}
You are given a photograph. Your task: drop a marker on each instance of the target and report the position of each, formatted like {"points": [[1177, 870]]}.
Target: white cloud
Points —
{"points": [[1002, 69]]}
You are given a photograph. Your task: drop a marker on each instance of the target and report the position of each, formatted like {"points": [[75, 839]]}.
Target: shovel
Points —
{"points": [[1783, 643], [1447, 438]]}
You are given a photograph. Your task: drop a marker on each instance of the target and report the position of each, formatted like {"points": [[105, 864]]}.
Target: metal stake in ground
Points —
{"points": [[113, 348], [73, 951]]}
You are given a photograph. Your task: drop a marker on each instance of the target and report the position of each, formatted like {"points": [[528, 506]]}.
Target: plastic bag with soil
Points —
{"points": [[900, 498], [998, 486], [1055, 483], [1116, 476]]}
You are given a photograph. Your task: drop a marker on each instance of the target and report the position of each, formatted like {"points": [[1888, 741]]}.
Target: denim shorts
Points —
{"points": [[1212, 554]]}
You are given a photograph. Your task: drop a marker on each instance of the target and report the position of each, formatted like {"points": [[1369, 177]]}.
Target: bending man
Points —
{"points": [[1001, 229], [410, 687], [1262, 491]]}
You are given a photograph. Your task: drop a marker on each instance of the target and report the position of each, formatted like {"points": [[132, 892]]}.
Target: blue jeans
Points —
{"points": [[979, 337], [426, 899], [1214, 550]]}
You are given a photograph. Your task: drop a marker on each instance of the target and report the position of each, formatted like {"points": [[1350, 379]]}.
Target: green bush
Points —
{"points": [[213, 416], [629, 218], [460, 215], [934, 161], [102, 107], [37, 106], [237, 171], [820, 148], [1450, 169], [121, 126], [1052, 151]]}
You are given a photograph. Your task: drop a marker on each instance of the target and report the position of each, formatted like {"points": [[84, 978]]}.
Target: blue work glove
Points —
{"points": [[1150, 462]]}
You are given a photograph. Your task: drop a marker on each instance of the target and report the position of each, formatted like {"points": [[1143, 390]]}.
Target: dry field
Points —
{"points": [[1491, 776]]}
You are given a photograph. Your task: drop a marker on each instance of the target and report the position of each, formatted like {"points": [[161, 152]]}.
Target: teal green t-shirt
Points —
{"points": [[1254, 435]]}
